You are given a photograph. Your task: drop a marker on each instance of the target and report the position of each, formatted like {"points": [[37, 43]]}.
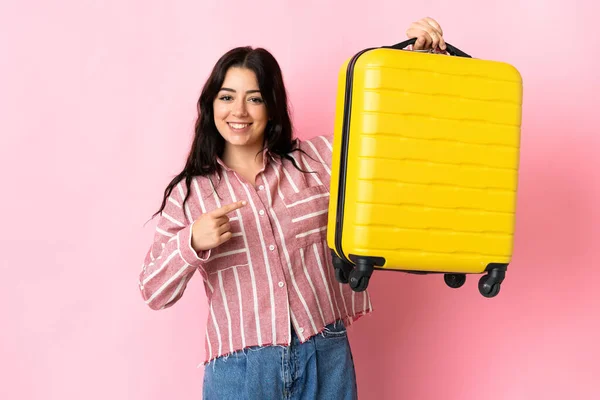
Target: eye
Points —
{"points": [[226, 97], [256, 100]]}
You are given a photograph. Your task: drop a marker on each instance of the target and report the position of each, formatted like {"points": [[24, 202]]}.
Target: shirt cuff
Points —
{"points": [[189, 255]]}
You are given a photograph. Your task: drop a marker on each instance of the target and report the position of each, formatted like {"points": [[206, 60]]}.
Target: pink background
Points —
{"points": [[97, 105]]}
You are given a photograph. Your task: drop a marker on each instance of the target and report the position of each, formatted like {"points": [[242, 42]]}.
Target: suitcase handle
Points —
{"points": [[451, 49]]}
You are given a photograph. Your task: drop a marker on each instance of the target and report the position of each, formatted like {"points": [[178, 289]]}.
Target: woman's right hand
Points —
{"points": [[213, 229]]}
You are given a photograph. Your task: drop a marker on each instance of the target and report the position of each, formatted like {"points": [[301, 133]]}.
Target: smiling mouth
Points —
{"points": [[238, 126]]}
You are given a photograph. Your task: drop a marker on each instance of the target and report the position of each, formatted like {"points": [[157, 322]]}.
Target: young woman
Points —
{"points": [[249, 213]]}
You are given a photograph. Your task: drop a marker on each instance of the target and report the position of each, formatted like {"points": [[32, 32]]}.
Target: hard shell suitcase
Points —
{"points": [[425, 166]]}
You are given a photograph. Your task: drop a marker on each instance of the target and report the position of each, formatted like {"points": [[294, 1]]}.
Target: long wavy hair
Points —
{"points": [[208, 142]]}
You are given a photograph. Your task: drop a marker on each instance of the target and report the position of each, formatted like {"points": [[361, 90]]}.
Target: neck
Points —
{"points": [[236, 157]]}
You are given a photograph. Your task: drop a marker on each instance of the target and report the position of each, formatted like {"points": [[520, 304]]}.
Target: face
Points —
{"points": [[239, 110]]}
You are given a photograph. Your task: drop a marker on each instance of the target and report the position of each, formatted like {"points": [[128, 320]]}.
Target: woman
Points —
{"points": [[249, 213]]}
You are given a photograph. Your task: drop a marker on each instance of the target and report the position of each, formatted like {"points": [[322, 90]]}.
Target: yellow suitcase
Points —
{"points": [[425, 166]]}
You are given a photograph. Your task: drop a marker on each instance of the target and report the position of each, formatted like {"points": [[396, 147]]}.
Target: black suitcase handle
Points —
{"points": [[451, 49]]}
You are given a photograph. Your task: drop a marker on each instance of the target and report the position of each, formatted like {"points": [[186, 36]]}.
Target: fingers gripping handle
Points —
{"points": [[451, 49]]}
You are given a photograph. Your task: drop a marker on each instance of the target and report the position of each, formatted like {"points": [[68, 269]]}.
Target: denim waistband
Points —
{"points": [[334, 327]]}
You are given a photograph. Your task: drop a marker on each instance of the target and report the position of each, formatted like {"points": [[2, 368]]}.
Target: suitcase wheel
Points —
{"points": [[455, 280], [341, 275], [358, 282], [342, 269], [489, 285], [359, 277]]}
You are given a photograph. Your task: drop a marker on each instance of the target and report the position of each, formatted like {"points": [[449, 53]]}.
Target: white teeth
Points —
{"points": [[238, 126]]}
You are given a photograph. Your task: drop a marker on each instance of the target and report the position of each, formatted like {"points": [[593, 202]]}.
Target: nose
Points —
{"points": [[239, 108]]}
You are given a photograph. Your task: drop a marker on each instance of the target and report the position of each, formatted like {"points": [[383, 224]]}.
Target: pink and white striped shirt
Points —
{"points": [[275, 271]]}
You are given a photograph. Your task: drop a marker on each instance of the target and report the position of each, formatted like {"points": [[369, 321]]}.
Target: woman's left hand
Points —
{"points": [[429, 34]]}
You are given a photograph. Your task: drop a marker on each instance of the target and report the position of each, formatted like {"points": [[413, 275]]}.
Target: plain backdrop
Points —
{"points": [[97, 106]]}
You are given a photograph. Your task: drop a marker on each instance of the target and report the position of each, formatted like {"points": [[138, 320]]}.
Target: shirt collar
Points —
{"points": [[267, 157]]}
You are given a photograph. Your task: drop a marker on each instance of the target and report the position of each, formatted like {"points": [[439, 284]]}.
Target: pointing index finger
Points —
{"points": [[226, 209]]}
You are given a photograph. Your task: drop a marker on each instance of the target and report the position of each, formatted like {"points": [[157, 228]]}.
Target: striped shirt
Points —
{"points": [[276, 270]]}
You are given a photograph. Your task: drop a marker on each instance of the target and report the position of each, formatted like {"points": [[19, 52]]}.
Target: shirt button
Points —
{"points": [[271, 247], [281, 284], [261, 212], [301, 330], [261, 187]]}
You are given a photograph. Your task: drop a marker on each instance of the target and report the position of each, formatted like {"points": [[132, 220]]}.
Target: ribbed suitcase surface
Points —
{"points": [[430, 162]]}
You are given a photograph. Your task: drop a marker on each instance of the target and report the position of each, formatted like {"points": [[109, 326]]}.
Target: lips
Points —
{"points": [[236, 125]]}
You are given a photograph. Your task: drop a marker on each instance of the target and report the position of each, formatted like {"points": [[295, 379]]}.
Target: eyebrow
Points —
{"points": [[233, 91]]}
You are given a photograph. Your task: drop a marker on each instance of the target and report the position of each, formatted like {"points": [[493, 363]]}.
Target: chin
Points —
{"points": [[248, 139], [236, 140]]}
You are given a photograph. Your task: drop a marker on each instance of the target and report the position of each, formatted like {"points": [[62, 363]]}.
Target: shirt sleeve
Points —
{"points": [[171, 261]]}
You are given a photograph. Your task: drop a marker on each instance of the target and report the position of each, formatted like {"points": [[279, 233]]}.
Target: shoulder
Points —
{"points": [[317, 143], [318, 147], [318, 150]]}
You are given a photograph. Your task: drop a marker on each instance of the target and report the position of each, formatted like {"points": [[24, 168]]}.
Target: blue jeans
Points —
{"points": [[321, 368]]}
